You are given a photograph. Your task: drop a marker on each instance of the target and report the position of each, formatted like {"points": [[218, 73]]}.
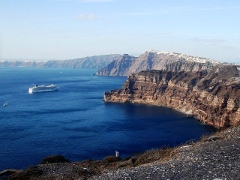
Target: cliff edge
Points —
{"points": [[156, 60], [212, 96]]}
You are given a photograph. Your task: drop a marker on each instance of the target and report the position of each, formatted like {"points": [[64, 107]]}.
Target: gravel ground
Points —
{"points": [[216, 158]]}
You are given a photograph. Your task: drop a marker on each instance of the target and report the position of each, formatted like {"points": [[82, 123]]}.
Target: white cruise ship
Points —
{"points": [[42, 88]]}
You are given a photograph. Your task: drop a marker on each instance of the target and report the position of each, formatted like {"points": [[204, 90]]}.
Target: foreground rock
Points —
{"points": [[214, 157], [211, 96], [54, 159]]}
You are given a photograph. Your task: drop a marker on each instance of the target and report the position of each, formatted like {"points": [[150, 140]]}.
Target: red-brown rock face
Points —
{"points": [[213, 97]]}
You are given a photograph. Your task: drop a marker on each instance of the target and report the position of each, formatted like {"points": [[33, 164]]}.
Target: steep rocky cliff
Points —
{"points": [[119, 67], [156, 60], [211, 96], [95, 62]]}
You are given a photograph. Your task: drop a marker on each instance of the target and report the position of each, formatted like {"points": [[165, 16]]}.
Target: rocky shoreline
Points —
{"points": [[213, 96]]}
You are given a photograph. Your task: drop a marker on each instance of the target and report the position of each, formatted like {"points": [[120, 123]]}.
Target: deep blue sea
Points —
{"points": [[75, 121]]}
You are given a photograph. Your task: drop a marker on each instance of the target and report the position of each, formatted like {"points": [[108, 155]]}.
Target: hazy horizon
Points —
{"points": [[69, 29], [42, 60]]}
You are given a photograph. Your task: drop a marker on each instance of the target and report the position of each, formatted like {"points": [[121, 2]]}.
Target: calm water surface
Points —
{"points": [[76, 123]]}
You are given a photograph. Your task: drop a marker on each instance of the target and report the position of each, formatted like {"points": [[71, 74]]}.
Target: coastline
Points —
{"points": [[212, 97], [214, 156]]}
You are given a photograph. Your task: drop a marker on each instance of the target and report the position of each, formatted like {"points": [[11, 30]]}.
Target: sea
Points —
{"points": [[76, 123]]}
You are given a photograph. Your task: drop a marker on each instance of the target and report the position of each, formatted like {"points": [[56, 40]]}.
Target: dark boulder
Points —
{"points": [[54, 159]]}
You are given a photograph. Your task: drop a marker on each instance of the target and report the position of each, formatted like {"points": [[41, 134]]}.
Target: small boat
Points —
{"points": [[42, 88], [5, 104]]}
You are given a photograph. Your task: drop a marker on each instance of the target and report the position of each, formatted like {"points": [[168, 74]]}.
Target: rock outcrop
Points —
{"points": [[119, 67], [156, 60], [211, 96], [95, 62]]}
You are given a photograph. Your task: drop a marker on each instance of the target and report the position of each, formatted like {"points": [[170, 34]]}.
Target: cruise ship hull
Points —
{"points": [[42, 88]]}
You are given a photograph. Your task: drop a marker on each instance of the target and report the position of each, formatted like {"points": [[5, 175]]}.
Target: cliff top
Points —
{"points": [[158, 60], [184, 57]]}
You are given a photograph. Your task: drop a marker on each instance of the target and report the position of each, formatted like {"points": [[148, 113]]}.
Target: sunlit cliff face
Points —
{"points": [[156, 60], [212, 97]]}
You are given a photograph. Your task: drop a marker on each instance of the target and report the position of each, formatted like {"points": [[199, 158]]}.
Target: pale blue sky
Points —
{"points": [[65, 29]]}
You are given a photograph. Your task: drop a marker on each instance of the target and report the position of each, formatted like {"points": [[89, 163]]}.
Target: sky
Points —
{"points": [[67, 29]]}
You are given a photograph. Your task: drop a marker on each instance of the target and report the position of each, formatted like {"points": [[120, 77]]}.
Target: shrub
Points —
{"points": [[153, 155], [54, 159], [110, 159]]}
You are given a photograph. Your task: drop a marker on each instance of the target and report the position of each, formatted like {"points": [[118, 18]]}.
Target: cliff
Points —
{"points": [[156, 60], [211, 96], [95, 62], [119, 67]]}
